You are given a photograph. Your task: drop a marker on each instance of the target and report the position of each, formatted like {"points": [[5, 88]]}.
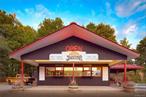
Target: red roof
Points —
{"points": [[73, 30], [129, 66]]}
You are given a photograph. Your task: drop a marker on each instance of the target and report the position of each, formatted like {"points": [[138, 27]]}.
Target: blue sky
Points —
{"points": [[128, 17]]}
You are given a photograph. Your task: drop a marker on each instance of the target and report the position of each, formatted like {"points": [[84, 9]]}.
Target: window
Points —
{"points": [[50, 71], [59, 71], [68, 71], [96, 71], [78, 71], [54, 71], [86, 71]]}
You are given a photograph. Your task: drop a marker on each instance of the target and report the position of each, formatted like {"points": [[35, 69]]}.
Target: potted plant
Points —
{"points": [[73, 85]]}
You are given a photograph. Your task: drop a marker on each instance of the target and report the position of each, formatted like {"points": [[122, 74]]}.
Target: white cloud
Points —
{"points": [[115, 28], [38, 11], [33, 16], [131, 28], [130, 7]]}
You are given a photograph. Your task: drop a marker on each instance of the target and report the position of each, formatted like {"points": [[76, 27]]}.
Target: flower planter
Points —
{"points": [[73, 85]]}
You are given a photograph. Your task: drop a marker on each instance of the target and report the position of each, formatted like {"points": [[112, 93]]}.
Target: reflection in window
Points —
{"points": [[96, 71]]}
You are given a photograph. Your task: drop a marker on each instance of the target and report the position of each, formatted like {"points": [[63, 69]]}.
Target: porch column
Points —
{"points": [[73, 76], [125, 71], [22, 71]]}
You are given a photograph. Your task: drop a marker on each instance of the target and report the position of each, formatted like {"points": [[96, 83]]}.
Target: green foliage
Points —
{"points": [[3, 55], [141, 48], [12, 35], [6, 18], [125, 43], [20, 36], [103, 30], [91, 27], [49, 26]]}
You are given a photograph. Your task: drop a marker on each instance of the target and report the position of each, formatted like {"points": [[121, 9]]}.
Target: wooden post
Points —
{"points": [[22, 71], [125, 71], [73, 76]]}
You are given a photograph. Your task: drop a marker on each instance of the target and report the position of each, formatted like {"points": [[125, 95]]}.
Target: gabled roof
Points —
{"points": [[73, 30]]}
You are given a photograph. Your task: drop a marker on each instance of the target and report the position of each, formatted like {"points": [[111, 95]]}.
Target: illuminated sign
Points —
{"points": [[73, 48], [73, 56]]}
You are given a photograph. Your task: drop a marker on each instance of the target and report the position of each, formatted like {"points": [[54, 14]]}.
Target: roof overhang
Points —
{"points": [[69, 31], [37, 62]]}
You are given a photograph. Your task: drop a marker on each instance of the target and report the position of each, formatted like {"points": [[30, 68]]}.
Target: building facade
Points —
{"points": [[73, 53]]}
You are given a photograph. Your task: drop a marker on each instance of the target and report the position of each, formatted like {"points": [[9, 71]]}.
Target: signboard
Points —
{"points": [[41, 73], [73, 56], [105, 73]]}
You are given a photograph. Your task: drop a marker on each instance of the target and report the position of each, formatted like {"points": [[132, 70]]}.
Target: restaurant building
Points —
{"points": [[73, 53]]}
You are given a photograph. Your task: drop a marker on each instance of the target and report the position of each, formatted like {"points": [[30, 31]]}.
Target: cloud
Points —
{"points": [[129, 7], [34, 15], [130, 28], [115, 28], [38, 11]]}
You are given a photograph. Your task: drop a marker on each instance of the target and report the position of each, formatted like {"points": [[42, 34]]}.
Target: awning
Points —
{"points": [[120, 67]]}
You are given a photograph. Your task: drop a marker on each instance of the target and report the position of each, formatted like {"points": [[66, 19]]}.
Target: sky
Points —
{"points": [[127, 17]]}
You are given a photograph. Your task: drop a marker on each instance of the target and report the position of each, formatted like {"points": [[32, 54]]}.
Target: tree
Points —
{"points": [[103, 30], [91, 27], [12, 35], [19, 36], [8, 19], [141, 48], [4, 49], [125, 43], [49, 26]]}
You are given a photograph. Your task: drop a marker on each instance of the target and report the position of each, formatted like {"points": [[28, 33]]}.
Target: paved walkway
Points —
{"points": [[83, 88], [5, 87], [64, 91]]}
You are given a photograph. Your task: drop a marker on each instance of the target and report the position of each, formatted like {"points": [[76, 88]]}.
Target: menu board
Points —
{"points": [[105, 74], [41, 73]]}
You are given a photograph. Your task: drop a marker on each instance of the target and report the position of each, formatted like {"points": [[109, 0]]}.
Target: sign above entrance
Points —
{"points": [[73, 48], [73, 56]]}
